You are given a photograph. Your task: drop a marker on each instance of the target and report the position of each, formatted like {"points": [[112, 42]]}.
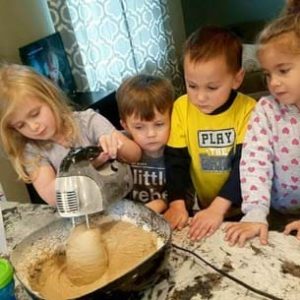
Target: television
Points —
{"points": [[48, 57]]}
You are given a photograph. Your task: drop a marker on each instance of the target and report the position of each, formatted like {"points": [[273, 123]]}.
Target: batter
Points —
{"points": [[125, 245], [86, 255]]}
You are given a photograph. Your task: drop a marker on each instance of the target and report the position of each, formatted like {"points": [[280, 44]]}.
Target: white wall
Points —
{"points": [[22, 22]]}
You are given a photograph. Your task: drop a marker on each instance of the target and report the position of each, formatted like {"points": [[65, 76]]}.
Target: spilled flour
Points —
{"points": [[125, 244], [274, 269]]}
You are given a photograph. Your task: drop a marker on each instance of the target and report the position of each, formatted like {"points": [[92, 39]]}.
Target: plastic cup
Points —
{"points": [[7, 284]]}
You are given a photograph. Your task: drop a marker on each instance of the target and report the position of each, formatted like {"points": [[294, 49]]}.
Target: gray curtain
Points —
{"points": [[108, 40]]}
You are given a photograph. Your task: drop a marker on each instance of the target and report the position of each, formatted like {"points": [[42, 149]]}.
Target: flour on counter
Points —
{"points": [[274, 269]]}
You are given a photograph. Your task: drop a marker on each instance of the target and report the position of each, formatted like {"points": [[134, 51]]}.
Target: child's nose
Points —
{"points": [[201, 97], [151, 132], [33, 126], [274, 81]]}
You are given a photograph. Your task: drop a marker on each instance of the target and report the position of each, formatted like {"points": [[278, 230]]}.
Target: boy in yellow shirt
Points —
{"points": [[207, 131]]}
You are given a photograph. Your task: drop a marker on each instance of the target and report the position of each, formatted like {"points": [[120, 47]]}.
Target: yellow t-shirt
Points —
{"points": [[211, 141]]}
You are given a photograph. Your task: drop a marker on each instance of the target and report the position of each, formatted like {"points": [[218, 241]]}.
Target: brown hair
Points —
{"points": [[285, 30], [142, 94], [211, 41], [16, 83]]}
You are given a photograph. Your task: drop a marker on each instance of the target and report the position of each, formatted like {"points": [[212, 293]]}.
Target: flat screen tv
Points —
{"points": [[48, 57]]}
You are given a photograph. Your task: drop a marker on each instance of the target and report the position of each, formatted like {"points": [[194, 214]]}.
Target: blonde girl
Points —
{"points": [[38, 128]]}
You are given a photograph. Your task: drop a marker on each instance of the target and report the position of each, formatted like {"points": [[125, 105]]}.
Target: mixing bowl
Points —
{"points": [[134, 281]]}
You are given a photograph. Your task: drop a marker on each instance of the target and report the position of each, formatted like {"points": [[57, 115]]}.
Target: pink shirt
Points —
{"points": [[270, 163]]}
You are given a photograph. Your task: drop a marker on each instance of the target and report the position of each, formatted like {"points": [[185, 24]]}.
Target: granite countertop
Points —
{"points": [[194, 270]]}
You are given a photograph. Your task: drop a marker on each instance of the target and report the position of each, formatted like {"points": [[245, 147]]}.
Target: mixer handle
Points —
{"points": [[78, 154]]}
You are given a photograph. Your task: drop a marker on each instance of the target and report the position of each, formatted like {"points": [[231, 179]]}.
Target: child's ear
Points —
{"points": [[238, 79], [124, 125]]}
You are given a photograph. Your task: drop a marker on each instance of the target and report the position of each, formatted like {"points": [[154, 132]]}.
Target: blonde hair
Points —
{"points": [[285, 30], [142, 94], [16, 84]]}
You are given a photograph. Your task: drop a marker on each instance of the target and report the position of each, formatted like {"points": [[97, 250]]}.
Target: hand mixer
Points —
{"points": [[81, 189]]}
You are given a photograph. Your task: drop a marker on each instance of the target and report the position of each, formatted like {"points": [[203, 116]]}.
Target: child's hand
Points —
{"points": [[205, 223], [157, 205], [110, 144], [100, 159], [239, 233], [293, 226], [177, 215]]}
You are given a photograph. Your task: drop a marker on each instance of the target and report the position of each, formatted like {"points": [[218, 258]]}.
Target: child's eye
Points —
{"points": [[35, 113], [191, 86], [19, 126], [159, 124], [212, 88], [284, 71]]}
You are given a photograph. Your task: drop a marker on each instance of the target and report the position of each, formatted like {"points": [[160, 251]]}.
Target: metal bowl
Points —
{"points": [[134, 281]]}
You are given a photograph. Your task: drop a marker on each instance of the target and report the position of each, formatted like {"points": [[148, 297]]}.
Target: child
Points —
{"points": [[270, 164], [145, 103], [207, 131], [38, 129]]}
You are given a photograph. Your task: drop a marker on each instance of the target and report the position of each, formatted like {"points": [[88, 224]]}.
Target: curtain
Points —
{"points": [[108, 40]]}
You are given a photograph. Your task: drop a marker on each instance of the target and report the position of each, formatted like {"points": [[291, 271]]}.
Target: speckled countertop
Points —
{"points": [[20, 220], [273, 269]]}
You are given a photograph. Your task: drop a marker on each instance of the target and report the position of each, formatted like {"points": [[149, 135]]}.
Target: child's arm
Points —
{"points": [[208, 220], [114, 143], [177, 181], [177, 214], [256, 171], [158, 205], [44, 183], [119, 145]]}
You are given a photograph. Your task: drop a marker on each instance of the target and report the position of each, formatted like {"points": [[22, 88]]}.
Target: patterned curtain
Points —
{"points": [[108, 40]]}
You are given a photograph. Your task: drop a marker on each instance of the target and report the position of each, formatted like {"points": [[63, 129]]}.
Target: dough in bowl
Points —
{"points": [[86, 255]]}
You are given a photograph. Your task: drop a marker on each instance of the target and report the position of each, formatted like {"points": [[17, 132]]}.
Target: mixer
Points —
{"points": [[85, 194], [82, 190]]}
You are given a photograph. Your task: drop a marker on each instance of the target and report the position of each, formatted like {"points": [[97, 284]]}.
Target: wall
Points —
{"points": [[14, 189], [227, 12], [21, 22]]}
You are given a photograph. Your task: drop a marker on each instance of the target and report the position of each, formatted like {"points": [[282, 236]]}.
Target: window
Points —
{"points": [[108, 40]]}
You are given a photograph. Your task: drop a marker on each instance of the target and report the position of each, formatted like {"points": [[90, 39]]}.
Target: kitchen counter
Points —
{"points": [[194, 270]]}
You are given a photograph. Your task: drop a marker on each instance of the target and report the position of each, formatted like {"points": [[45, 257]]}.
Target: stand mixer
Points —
{"points": [[81, 189]]}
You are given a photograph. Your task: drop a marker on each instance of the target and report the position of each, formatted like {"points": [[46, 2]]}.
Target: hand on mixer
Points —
{"points": [[82, 190], [109, 144]]}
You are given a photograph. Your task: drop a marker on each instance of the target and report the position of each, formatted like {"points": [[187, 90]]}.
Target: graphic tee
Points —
{"points": [[149, 177], [211, 141]]}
